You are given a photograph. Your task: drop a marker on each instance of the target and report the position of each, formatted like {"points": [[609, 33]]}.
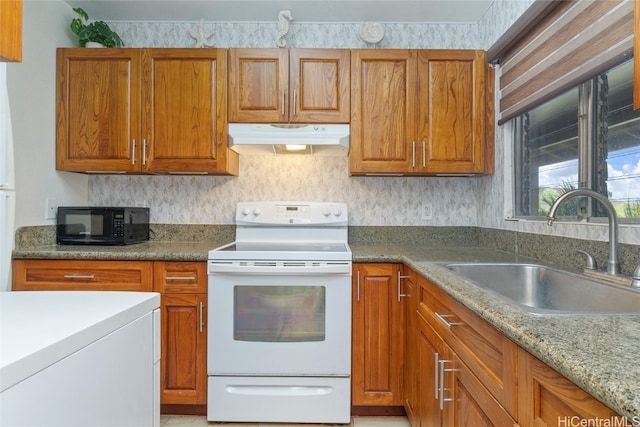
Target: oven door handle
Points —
{"points": [[280, 267]]}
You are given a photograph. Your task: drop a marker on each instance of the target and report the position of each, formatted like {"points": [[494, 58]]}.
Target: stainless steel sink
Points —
{"points": [[544, 290]]}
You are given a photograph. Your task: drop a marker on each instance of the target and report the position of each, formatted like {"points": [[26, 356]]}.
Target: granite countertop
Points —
{"points": [[601, 358]]}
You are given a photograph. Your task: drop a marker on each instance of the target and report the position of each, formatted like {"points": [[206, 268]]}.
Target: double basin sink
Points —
{"points": [[540, 289]]}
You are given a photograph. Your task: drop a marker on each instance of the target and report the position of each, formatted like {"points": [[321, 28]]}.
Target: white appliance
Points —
{"points": [[310, 139], [79, 359], [7, 186], [279, 345]]}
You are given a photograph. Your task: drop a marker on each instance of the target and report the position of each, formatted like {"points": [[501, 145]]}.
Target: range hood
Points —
{"points": [[310, 139]]}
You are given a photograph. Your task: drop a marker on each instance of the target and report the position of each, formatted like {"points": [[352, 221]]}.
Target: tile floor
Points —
{"points": [[194, 421]]}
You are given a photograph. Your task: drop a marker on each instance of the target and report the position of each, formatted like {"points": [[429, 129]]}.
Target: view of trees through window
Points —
{"points": [[554, 153]]}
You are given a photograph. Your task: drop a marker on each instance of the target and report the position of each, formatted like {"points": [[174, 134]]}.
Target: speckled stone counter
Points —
{"points": [[599, 353]]}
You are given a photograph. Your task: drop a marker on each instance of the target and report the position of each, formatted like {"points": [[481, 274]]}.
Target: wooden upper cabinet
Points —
{"points": [[451, 111], [143, 110], [98, 109], [383, 110], [423, 112], [10, 30], [184, 111], [282, 86]]}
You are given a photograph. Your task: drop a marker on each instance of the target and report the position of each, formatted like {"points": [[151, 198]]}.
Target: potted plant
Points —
{"points": [[96, 31]]}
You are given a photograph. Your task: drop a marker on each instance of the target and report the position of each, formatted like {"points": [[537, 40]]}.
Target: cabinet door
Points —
{"points": [[378, 336], [11, 30], [183, 366], [319, 85], [451, 118], [184, 110], [258, 85], [98, 108], [466, 401], [546, 398], [76, 275], [411, 356], [430, 351], [383, 111]]}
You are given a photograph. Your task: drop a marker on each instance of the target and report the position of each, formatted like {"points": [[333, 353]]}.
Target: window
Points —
{"points": [[587, 137]]}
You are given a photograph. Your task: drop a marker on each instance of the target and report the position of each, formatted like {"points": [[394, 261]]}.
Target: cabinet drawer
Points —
{"points": [[180, 277], [491, 356], [57, 275]]}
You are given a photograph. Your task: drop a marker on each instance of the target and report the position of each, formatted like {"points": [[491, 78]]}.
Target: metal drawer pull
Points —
{"points": [[133, 152], [400, 294], [424, 154], [442, 388], [201, 316], [79, 276], [180, 278], [443, 319], [358, 288]]}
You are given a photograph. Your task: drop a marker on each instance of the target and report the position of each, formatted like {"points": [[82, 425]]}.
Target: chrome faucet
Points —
{"points": [[613, 265]]}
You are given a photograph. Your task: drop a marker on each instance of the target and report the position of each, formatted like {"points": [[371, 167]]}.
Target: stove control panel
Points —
{"points": [[266, 213]]}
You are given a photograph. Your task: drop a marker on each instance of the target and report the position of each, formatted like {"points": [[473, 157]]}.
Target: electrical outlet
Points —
{"points": [[51, 207], [427, 212]]}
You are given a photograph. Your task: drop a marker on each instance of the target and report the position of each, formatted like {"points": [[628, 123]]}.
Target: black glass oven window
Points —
{"points": [[279, 313]]}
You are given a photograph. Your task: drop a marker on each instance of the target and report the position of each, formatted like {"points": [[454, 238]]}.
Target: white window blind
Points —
{"points": [[572, 42]]}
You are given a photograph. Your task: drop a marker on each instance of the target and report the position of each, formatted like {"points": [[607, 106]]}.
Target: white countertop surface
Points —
{"points": [[37, 329]]}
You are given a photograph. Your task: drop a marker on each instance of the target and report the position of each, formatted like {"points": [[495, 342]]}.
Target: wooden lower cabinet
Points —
{"points": [[377, 336], [549, 399], [81, 275], [183, 366], [463, 372], [449, 394]]}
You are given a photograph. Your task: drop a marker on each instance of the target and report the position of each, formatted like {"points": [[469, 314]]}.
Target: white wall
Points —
{"points": [[31, 86]]}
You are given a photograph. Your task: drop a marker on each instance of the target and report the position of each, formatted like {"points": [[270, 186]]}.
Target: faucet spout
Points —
{"points": [[613, 264]]}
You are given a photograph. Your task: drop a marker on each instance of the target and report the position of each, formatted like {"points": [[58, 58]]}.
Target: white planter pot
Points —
{"points": [[93, 44]]}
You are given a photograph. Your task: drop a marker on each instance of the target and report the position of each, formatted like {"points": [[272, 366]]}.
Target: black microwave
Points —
{"points": [[101, 225]]}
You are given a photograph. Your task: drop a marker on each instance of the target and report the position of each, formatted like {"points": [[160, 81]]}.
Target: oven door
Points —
{"points": [[279, 319]]}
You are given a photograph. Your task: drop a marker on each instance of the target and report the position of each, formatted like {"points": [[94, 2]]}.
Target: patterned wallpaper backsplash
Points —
{"points": [[372, 201]]}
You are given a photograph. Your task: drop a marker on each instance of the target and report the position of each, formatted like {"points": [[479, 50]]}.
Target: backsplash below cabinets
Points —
{"points": [[372, 201]]}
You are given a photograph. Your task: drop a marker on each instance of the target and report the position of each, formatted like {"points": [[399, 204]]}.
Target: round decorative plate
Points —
{"points": [[371, 32]]}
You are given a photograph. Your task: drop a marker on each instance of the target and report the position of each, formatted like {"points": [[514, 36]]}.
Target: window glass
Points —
{"points": [[554, 154], [621, 152], [546, 150]]}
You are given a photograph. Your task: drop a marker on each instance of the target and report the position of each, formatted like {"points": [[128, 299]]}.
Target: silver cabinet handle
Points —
{"points": [[436, 376], [424, 154], [358, 287], [282, 102], [180, 278], [442, 388], [201, 316], [295, 94], [400, 294], [144, 152], [443, 319], [79, 276], [133, 152], [413, 154]]}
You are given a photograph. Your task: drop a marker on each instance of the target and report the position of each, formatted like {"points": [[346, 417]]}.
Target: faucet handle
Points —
{"points": [[591, 261]]}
